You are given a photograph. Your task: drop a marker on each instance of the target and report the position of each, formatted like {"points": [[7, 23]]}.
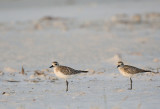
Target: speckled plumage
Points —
{"points": [[65, 72], [129, 71]]}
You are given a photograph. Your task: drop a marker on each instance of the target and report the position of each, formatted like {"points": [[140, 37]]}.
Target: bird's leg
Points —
{"points": [[130, 84], [67, 85]]}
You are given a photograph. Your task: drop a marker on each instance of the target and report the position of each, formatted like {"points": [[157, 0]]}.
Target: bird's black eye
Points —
{"points": [[55, 64]]}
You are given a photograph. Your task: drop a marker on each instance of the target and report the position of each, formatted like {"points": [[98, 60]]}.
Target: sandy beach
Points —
{"points": [[88, 35]]}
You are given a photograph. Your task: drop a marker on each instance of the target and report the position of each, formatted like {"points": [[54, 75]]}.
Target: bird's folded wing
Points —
{"points": [[133, 70], [67, 70]]}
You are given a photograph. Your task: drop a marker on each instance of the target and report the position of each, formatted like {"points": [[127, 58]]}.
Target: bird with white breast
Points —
{"points": [[129, 71], [65, 72]]}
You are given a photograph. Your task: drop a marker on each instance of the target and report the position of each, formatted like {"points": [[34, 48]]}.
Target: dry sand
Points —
{"points": [[84, 35]]}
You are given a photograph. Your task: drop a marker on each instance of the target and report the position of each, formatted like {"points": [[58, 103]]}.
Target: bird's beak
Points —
{"points": [[118, 66], [51, 66]]}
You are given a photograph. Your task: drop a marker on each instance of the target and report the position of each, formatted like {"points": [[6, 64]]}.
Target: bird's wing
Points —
{"points": [[67, 70], [133, 70]]}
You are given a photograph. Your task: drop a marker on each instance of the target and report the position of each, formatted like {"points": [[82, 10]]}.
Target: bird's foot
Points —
{"points": [[66, 90], [129, 88]]}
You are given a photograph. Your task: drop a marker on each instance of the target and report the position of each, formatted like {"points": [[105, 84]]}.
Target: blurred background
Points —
{"points": [[79, 33], [83, 34]]}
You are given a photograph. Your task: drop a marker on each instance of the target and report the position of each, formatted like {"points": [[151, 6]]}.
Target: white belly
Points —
{"points": [[124, 73], [61, 75]]}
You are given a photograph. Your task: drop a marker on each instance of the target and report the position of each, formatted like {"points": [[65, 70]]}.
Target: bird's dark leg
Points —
{"points": [[130, 84], [67, 85]]}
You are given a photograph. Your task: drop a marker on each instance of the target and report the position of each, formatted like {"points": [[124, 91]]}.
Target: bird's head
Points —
{"points": [[54, 64], [120, 64]]}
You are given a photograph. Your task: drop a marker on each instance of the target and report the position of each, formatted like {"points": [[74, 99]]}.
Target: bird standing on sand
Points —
{"points": [[129, 71], [65, 72]]}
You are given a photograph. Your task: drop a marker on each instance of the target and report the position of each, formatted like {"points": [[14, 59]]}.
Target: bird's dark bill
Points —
{"points": [[118, 66], [51, 66]]}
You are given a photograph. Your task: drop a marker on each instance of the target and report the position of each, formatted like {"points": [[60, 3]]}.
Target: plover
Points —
{"points": [[65, 72], [129, 71]]}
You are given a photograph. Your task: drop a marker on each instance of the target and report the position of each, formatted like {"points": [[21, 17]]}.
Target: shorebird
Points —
{"points": [[129, 71], [65, 72]]}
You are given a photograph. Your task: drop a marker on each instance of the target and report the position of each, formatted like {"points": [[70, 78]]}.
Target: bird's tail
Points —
{"points": [[147, 71], [82, 71], [151, 71]]}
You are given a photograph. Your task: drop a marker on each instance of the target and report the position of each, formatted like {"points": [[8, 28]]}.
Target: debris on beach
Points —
{"points": [[5, 93], [1, 73], [23, 71], [12, 80]]}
